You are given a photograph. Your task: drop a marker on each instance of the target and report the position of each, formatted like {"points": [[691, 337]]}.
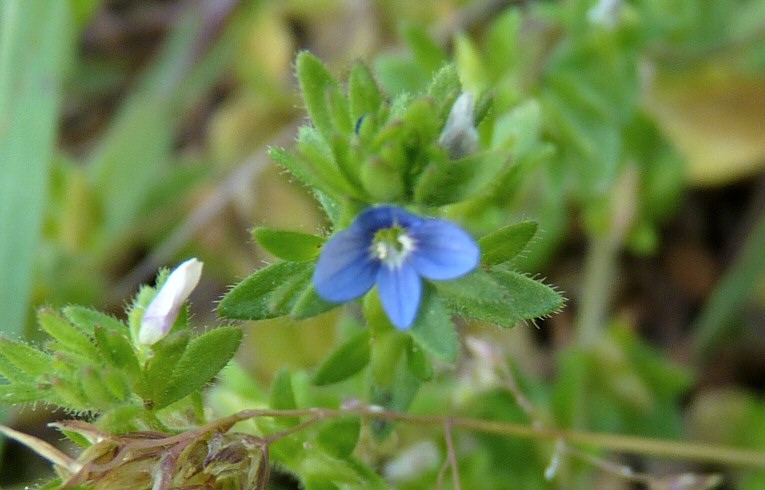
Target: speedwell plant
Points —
{"points": [[391, 174]]}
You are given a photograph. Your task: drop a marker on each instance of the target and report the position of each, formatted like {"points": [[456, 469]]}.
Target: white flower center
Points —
{"points": [[392, 246]]}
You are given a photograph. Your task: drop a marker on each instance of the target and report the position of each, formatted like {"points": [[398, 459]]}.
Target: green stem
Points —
{"points": [[599, 272], [684, 450]]}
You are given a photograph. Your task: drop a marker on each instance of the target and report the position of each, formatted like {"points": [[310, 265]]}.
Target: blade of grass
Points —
{"points": [[740, 282], [35, 49], [137, 148]]}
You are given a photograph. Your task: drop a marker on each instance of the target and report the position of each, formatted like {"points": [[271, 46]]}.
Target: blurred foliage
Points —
{"points": [[596, 120]]}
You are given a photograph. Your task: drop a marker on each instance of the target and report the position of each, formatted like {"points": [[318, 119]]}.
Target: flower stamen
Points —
{"points": [[392, 246]]}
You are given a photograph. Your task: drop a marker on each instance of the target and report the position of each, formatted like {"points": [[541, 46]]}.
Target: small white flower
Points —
{"points": [[164, 308], [459, 136]]}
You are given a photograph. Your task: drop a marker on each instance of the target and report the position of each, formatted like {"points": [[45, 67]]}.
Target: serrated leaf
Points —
{"points": [[27, 359], [203, 359], [315, 82], [363, 93], [350, 358], [530, 298], [507, 242], [288, 245], [340, 436], [86, 319], [433, 330], [448, 182], [68, 336], [251, 299]]}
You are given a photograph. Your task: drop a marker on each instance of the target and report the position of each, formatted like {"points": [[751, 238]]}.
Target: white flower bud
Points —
{"points": [[164, 308], [459, 136]]}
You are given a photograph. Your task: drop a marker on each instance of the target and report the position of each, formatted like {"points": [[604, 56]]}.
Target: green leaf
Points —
{"points": [[16, 393], [398, 76], [282, 397], [86, 320], [317, 154], [315, 83], [396, 396], [285, 297], [507, 242], [426, 52], [296, 166], [252, 299], [363, 92], [418, 362], [501, 296], [167, 354], [116, 350], [340, 112], [288, 245], [27, 359], [530, 298], [350, 358], [203, 359], [68, 336], [433, 330], [94, 388], [519, 129], [340, 436], [36, 41], [448, 182], [12, 373], [310, 304], [382, 180], [444, 89], [69, 394]]}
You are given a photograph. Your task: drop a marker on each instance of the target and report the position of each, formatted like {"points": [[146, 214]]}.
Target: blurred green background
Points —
{"points": [[133, 135]]}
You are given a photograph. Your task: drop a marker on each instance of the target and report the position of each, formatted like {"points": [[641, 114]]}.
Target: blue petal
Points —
{"points": [[345, 269], [400, 289], [443, 250], [377, 218]]}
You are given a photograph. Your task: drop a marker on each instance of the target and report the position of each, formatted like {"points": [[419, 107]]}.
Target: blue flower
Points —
{"points": [[394, 249]]}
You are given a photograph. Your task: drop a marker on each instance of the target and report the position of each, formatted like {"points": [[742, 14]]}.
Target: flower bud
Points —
{"points": [[459, 136], [164, 308]]}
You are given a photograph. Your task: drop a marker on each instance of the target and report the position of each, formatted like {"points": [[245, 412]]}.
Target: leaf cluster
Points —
{"points": [[93, 364]]}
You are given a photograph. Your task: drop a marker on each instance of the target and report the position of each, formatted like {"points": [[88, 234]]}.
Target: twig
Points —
{"points": [[451, 454]]}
